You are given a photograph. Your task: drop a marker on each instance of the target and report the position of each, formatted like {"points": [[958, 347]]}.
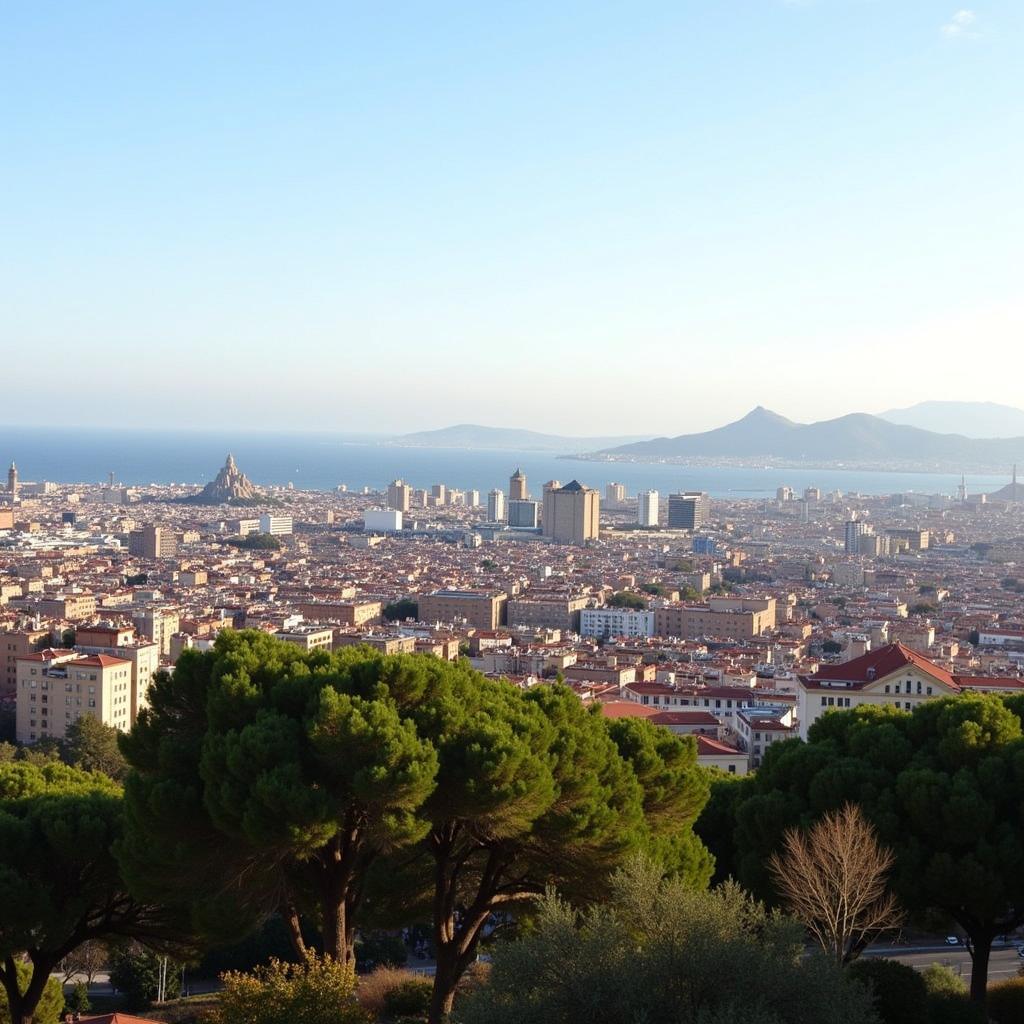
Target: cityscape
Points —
{"points": [[512, 514]]}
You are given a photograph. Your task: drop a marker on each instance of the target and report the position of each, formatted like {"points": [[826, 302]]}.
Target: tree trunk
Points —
{"points": [[294, 925], [981, 947], [446, 977], [22, 1005]]}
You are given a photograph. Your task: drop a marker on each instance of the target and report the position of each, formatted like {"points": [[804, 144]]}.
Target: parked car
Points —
{"points": [[952, 940]]}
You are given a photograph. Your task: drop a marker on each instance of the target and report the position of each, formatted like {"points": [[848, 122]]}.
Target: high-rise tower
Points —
{"points": [[12, 482], [517, 486]]}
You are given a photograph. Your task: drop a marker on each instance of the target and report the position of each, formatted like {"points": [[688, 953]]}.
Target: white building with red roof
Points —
{"points": [[892, 676]]}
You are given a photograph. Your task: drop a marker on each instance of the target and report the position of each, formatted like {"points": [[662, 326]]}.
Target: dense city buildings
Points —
{"points": [[741, 630]]}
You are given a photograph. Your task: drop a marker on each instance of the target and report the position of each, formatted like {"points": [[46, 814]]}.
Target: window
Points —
{"points": [[732, 769], [929, 691], [886, 687]]}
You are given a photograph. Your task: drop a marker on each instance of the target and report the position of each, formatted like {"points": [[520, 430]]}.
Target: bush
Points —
{"points": [[1006, 1001], [411, 998], [381, 951], [898, 990], [317, 991], [50, 1005], [78, 1001], [660, 950], [378, 992], [948, 1001]]}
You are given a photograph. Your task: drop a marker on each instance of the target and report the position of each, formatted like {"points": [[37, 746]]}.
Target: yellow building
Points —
{"points": [[571, 513]]}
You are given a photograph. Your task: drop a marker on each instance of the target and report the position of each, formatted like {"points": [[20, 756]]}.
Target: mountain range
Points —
{"points": [[857, 438], [472, 435], [972, 419]]}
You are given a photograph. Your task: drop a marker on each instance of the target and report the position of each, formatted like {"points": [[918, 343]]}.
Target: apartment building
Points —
{"points": [[14, 644], [688, 510], [120, 642], [309, 638], [347, 613], [571, 513], [152, 542], [558, 610], [56, 688], [737, 618], [606, 622], [276, 525], [482, 609]]}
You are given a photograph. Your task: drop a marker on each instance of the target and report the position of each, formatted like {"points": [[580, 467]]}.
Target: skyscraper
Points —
{"points": [[399, 496], [615, 495], [647, 508], [517, 486], [12, 482], [496, 506], [689, 510], [854, 531], [572, 513]]}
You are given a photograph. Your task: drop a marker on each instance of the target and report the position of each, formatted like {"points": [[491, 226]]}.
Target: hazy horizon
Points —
{"points": [[580, 219]]}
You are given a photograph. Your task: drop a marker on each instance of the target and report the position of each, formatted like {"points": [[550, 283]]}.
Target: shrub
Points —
{"points": [[135, 973], [318, 991], [50, 1006], [898, 990], [948, 1001], [78, 1001], [377, 991], [411, 998], [941, 981], [1006, 1001]]}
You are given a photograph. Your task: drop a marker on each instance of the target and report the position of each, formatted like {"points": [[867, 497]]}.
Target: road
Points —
{"points": [[1003, 963]]}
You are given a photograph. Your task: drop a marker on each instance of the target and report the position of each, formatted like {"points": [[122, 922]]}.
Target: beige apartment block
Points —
{"points": [[571, 513], [482, 609], [56, 688]]}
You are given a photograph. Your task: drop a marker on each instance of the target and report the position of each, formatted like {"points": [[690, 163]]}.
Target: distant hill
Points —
{"points": [[857, 438], [972, 419], [472, 435]]}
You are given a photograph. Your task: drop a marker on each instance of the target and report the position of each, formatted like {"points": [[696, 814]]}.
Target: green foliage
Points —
{"points": [[898, 990], [135, 973], [662, 951], [1006, 1001], [318, 991], [831, 647], [654, 589], [409, 999], [941, 981], [59, 881], [923, 608], [270, 940], [92, 746], [256, 542], [947, 1001], [399, 611], [941, 786], [138, 580], [50, 1005], [623, 599], [78, 1001]]}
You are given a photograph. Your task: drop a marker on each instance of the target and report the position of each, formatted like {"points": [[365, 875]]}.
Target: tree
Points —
{"points": [[831, 647], [59, 882], [317, 991], [661, 950], [49, 1006], [941, 786], [623, 599], [262, 782], [833, 880], [88, 959], [256, 542], [78, 1001], [139, 974], [399, 611], [92, 745]]}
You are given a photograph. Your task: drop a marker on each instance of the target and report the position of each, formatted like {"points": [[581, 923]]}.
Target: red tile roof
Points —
{"points": [[879, 664], [708, 746]]}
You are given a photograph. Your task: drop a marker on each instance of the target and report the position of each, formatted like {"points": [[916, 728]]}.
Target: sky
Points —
{"points": [[591, 217]]}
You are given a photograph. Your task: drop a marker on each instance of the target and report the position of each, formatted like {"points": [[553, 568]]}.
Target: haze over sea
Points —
{"points": [[323, 461]]}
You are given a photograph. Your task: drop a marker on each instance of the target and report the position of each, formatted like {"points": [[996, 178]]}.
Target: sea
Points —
{"points": [[320, 461]]}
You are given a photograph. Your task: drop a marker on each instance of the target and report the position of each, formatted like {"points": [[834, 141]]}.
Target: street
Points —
{"points": [[1003, 963]]}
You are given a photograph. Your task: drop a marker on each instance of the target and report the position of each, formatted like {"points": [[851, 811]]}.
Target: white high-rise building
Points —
{"points": [[647, 508], [496, 506], [473, 499], [854, 531]]}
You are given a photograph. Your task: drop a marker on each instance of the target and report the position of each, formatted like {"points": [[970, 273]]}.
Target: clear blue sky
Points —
{"points": [[557, 215]]}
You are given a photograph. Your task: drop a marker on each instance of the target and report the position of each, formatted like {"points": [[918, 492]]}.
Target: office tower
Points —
{"points": [[854, 531], [12, 482], [399, 496], [523, 514], [572, 513], [689, 510], [784, 494], [439, 493], [152, 542], [473, 499], [548, 506], [812, 494], [517, 486], [647, 508], [276, 526], [496, 506]]}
